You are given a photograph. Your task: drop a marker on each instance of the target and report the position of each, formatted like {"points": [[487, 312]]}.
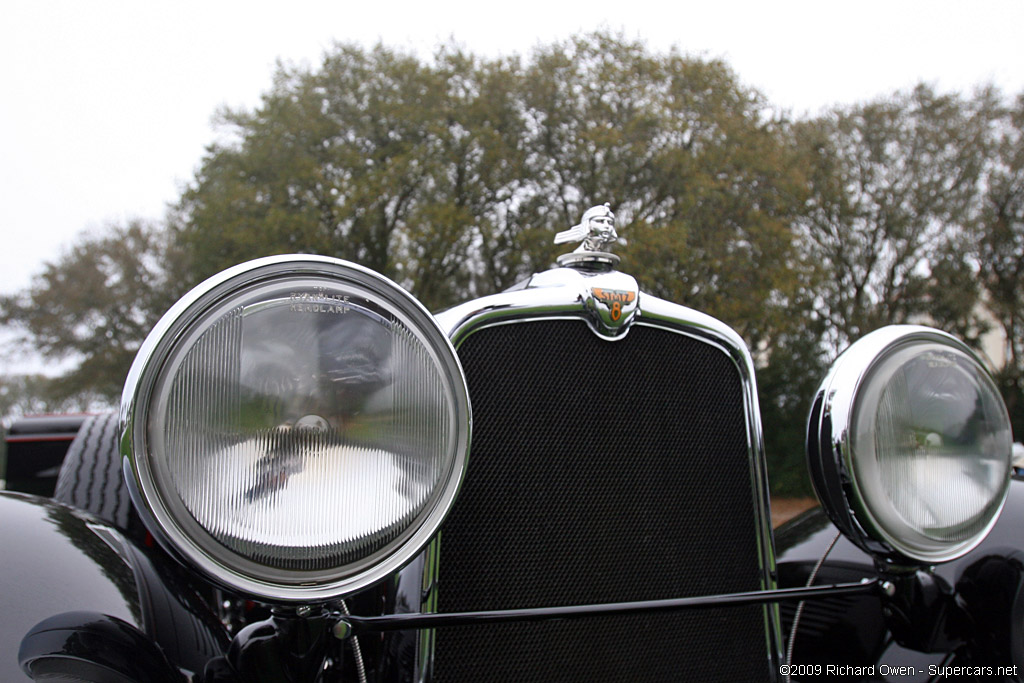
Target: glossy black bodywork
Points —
{"points": [[71, 578], [81, 581], [93, 646], [90, 602], [967, 612], [94, 603]]}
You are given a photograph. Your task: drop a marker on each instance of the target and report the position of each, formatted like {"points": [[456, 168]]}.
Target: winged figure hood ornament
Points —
{"points": [[595, 232]]}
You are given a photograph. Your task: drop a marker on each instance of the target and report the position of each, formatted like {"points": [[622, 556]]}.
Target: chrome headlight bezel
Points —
{"points": [[183, 535], [845, 474]]}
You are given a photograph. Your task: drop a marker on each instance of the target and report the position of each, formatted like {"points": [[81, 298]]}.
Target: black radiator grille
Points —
{"points": [[601, 472]]}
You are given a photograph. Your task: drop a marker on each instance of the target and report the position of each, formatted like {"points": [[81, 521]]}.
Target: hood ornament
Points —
{"points": [[610, 299], [596, 232]]}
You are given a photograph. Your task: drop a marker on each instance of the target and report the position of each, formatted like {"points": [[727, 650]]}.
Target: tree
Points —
{"points": [[458, 242], [452, 176], [696, 171], [376, 157], [34, 394], [94, 305], [892, 185], [1000, 252]]}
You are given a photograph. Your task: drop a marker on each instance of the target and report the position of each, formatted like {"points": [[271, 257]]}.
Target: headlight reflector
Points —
{"points": [[909, 445], [298, 427]]}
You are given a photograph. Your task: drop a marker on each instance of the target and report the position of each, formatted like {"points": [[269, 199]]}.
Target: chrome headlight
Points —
{"points": [[909, 445], [296, 427]]}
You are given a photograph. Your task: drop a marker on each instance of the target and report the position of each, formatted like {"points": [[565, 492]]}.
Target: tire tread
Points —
{"points": [[91, 477]]}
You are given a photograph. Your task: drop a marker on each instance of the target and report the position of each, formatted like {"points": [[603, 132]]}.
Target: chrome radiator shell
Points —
{"points": [[504, 547]]}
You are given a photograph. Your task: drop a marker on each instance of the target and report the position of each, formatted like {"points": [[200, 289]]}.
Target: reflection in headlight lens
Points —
{"points": [[932, 444], [302, 429]]}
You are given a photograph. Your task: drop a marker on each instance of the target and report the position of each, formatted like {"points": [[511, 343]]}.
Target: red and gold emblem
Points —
{"points": [[614, 299]]}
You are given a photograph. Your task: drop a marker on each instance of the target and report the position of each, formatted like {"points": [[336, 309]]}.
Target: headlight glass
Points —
{"points": [[932, 447], [921, 443], [304, 424]]}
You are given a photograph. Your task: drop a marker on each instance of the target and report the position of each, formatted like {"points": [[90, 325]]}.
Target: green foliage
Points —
{"points": [[451, 175], [892, 186], [703, 183], [787, 381], [404, 167], [93, 306], [999, 248]]}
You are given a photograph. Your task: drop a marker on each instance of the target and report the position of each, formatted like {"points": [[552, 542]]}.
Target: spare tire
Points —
{"points": [[91, 477]]}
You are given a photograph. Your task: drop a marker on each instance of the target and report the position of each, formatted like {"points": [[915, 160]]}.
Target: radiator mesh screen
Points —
{"points": [[601, 472]]}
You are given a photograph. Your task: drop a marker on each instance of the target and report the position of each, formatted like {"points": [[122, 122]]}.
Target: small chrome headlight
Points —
{"points": [[909, 445], [296, 427]]}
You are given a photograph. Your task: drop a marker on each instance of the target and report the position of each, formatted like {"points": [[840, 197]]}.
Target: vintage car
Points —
{"points": [[313, 478]]}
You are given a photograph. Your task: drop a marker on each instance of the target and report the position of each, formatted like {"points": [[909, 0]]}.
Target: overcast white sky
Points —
{"points": [[105, 107]]}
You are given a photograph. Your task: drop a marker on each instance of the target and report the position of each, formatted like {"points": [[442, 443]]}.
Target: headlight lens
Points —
{"points": [[910, 445], [298, 427]]}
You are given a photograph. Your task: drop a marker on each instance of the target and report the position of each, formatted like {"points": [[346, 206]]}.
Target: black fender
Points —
{"points": [[988, 583], [72, 578]]}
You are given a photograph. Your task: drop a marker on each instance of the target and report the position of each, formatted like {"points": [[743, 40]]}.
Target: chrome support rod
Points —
{"points": [[354, 625]]}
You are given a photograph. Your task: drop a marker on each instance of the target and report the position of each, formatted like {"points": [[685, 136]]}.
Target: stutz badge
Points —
{"points": [[614, 299]]}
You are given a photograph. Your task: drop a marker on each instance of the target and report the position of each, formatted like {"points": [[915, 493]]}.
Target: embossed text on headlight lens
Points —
{"points": [[305, 425]]}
